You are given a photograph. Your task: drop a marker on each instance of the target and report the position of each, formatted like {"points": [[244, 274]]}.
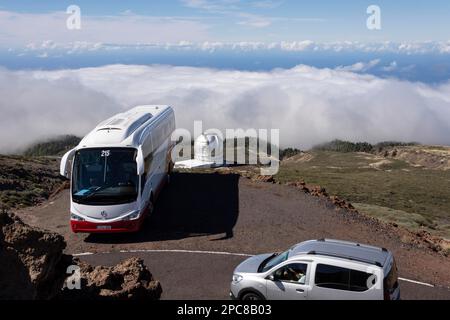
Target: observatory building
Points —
{"points": [[208, 153]]}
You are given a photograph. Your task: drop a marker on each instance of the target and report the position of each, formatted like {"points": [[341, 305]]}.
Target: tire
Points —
{"points": [[150, 211], [251, 296], [170, 167], [151, 207], [169, 171]]}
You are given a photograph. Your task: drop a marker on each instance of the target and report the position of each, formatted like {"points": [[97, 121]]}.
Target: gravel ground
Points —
{"points": [[216, 212]]}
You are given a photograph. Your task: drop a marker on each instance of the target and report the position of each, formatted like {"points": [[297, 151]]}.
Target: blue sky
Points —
{"points": [[272, 20], [413, 43]]}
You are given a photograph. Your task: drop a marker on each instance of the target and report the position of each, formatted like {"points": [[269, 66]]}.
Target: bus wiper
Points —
{"points": [[95, 191]]}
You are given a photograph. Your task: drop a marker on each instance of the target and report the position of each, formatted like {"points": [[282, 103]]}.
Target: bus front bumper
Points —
{"points": [[112, 227]]}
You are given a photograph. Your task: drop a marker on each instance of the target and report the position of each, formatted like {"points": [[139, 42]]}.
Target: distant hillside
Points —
{"points": [[430, 157], [26, 181], [53, 147], [404, 184], [347, 146]]}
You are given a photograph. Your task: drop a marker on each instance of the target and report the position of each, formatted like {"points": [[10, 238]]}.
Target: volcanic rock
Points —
{"points": [[33, 266], [32, 260], [129, 279]]}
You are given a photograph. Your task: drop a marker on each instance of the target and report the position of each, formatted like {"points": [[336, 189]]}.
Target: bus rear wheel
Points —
{"points": [[169, 171], [149, 210]]}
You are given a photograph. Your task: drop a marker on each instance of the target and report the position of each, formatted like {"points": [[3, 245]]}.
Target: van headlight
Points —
{"points": [[75, 217], [237, 278]]}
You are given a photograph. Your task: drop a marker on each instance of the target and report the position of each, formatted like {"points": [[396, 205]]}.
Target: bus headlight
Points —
{"points": [[75, 217], [133, 216]]}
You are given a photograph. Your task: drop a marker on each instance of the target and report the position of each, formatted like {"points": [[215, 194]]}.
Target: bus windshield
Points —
{"points": [[105, 176]]}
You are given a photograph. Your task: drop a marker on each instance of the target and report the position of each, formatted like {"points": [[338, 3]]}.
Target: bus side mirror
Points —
{"points": [[66, 162], [140, 162]]}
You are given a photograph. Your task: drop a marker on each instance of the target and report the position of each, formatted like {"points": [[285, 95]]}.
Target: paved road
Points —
{"points": [[225, 213], [201, 276]]}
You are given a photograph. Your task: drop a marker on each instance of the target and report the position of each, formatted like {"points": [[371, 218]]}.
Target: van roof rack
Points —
{"points": [[314, 252], [351, 243]]}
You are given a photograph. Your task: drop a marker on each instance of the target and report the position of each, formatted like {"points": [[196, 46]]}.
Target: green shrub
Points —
{"points": [[289, 152], [53, 147], [379, 147], [344, 146]]}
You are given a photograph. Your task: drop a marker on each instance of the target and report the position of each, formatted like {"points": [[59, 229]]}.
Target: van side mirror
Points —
{"points": [[66, 163], [271, 277]]}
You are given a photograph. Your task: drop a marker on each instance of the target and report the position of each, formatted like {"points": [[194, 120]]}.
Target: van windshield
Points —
{"points": [[105, 176], [273, 261]]}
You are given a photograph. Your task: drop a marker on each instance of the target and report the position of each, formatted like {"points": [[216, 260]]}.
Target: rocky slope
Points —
{"points": [[33, 266], [27, 181], [429, 157]]}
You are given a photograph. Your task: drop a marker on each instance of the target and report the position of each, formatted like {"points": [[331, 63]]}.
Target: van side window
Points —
{"points": [[338, 278], [332, 277], [294, 272]]}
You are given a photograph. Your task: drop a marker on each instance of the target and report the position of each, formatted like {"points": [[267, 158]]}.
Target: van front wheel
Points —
{"points": [[251, 297]]}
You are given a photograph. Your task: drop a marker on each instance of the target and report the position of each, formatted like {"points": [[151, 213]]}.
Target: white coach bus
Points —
{"points": [[118, 169]]}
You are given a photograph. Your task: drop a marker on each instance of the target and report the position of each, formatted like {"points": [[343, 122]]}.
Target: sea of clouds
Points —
{"points": [[309, 105]]}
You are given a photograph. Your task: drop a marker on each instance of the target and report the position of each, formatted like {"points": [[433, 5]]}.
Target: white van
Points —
{"points": [[118, 170], [319, 270]]}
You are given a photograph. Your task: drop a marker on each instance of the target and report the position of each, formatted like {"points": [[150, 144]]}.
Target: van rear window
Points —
{"points": [[339, 278]]}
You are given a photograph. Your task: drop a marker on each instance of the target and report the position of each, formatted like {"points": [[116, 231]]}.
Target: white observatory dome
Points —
{"points": [[209, 148]]}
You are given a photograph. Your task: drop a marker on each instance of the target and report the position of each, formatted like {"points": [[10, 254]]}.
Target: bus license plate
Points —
{"points": [[103, 227]]}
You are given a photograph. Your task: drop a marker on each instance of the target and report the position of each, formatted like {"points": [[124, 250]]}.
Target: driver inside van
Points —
{"points": [[294, 273]]}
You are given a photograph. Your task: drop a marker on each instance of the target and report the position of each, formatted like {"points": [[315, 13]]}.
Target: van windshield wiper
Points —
{"points": [[264, 263]]}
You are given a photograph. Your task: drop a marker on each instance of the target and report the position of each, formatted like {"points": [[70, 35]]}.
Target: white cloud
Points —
{"points": [[360, 66], [254, 20], [266, 4], [43, 55], [213, 5], [391, 67], [33, 109], [309, 105], [291, 46], [237, 9], [21, 28]]}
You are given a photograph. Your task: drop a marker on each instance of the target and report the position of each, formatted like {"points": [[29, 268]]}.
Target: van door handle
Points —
{"points": [[300, 290]]}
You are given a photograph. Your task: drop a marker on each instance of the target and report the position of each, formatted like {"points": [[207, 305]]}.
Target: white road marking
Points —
{"points": [[188, 251], [83, 254], [223, 253], [416, 282], [166, 250]]}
